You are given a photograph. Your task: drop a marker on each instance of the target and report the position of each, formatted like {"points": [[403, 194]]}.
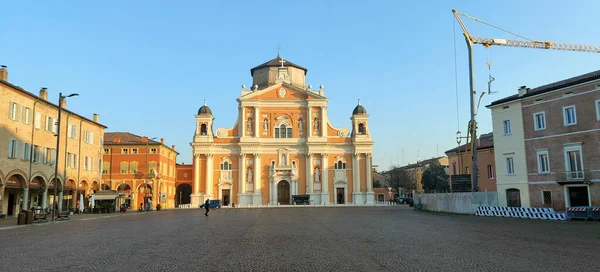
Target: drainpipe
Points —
{"points": [[45, 195]]}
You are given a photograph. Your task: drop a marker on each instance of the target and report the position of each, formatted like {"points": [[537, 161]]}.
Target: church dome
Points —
{"points": [[204, 109], [359, 109]]}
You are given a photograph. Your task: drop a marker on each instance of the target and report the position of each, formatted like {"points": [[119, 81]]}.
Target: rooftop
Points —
{"points": [[551, 87]]}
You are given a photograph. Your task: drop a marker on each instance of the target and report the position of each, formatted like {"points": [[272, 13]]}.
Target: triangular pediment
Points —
{"points": [[282, 91]]}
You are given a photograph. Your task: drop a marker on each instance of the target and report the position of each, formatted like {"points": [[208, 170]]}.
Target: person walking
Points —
{"points": [[206, 207]]}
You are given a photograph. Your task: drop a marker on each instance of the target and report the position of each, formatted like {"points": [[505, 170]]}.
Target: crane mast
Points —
{"points": [[488, 42]]}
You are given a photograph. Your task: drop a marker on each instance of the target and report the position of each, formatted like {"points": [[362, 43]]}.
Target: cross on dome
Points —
{"points": [[205, 102]]}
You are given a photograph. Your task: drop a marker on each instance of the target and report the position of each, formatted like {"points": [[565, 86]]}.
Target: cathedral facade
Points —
{"points": [[282, 148]]}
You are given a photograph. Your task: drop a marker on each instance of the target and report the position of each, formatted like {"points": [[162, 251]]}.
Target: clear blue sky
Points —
{"points": [[146, 66]]}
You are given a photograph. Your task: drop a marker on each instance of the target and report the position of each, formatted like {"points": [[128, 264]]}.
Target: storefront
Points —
{"points": [[13, 195]]}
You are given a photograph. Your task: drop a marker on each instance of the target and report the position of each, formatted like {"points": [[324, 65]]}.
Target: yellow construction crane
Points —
{"points": [[488, 42]]}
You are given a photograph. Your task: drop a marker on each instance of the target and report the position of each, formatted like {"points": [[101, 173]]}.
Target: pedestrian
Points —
{"points": [[206, 207]]}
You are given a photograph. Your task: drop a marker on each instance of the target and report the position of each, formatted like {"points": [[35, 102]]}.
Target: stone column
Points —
{"points": [[25, 199], [209, 175], [355, 173], [73, 198], [309, 126], [242, 175], [370, 195], [256, 127], [324, 178], [324, 121], [196, 174], [60, 200], [257, 180], [242, 128], [368, 169], [356, 195], [309, 173], [45, 198]]}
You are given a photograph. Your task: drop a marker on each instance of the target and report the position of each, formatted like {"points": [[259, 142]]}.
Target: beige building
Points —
{"points": [[509, 155], [282, 146], [27, 165], [461, 161]]}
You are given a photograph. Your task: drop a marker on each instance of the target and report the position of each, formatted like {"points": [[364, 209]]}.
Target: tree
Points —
{"points": [[398, 180], [376, 184], [435, 178]]}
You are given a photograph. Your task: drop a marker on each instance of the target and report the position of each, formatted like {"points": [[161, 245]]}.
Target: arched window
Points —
{"points": [[283, 132], [380, 197], [340, 165], [203, 129], [361, 129], [225, 166]]}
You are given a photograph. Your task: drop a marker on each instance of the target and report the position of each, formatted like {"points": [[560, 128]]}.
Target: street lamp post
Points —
{"points": [[147, 168], [55, 204]]}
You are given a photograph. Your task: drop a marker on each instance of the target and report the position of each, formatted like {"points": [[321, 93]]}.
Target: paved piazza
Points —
{"points": [[302, 239]]}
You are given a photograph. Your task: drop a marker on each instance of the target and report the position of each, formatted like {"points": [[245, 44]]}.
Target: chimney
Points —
{"points": [[116, 139], [144, 139], [173, 147], [162, 140], [96, 118], [522, 91], [44, 93], [3, 73], [63, 103]]}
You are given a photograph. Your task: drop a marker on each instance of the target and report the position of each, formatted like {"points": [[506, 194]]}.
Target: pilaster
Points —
{"points": [[325, 179], [257, 196]]}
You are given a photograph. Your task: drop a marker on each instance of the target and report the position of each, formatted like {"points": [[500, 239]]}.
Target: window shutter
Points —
{"points": [[24, 115], [11, 110], [10, 148], [16, 149], [74, 132], [91, 138], [70, 131], [24, 153], [54, 125], [38, 119], [76, 161], [17, 112], [91, 164]]}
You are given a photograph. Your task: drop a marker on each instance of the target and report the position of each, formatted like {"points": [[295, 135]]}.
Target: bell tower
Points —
{"points": [[360, 121], [204, 124]]}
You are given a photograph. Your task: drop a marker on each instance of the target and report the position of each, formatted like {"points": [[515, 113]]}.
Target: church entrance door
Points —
{"points": [[283, 192], [340, 196], [225, 197]]}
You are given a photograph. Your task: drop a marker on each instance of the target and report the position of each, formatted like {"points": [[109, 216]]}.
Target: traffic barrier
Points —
{"points": [[578, 213], [520, 212], [594, 213]]}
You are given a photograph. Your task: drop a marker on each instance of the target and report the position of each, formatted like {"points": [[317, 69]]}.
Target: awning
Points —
{"points": [[105, 197]]}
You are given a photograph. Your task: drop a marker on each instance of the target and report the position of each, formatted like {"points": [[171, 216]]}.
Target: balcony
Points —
{"points": [[585, 176]]}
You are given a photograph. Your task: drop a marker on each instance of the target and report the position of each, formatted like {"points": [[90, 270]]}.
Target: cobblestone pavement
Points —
{"points": [[302, 239]]}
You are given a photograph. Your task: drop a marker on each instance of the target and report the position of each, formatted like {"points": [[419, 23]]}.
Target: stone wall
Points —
{"points": [[463, 203]]}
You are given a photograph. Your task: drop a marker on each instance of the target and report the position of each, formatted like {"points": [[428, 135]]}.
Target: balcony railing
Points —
{"points": [[575, 175]]}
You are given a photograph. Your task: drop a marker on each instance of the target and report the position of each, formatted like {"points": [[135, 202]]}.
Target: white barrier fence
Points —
{"points": [[518, 212]]}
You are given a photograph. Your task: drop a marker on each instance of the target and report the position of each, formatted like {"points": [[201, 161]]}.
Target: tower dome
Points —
{"points": [[359, 110], [204, 109]]}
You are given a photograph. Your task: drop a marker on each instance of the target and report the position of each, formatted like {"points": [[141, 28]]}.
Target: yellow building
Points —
{"points": [[282, 147], [414, 172], [27, 166]]}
